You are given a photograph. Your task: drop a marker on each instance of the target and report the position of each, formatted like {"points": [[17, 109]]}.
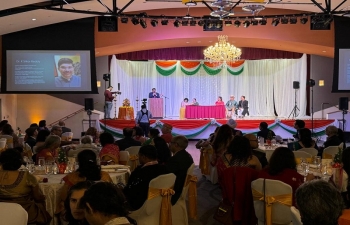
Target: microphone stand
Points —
{"points": [[165, 105]]}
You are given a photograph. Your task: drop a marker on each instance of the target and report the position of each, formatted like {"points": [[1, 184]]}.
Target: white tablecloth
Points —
{"points": [[270, 150]]}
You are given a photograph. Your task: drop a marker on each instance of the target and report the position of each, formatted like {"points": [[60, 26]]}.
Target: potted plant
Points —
{"points": [[62, 160]]}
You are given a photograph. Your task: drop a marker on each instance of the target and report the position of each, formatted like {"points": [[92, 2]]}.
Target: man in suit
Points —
{"points": [[179, 164], [243, 104], [64, 128], [153, 94], [127, 141]]}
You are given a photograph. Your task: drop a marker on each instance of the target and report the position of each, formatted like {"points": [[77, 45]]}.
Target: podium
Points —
{"points": [[126, 113], [155, 105]]}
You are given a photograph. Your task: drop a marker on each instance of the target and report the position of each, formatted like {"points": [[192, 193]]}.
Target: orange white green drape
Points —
{"points": [[166, 68]]}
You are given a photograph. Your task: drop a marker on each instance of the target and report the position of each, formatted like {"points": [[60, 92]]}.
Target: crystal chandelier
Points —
{"points": [[222, 52]]}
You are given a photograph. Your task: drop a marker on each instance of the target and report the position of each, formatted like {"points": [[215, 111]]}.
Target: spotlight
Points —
{"points": [[293, 20], [143, 23], [275, 22], [218, 24], [201, 23], [177, 23], [254, 22], [328, 21], [284, 20], [311, 82], [124, 20], [303, 20], [263, 22], [184, 23], [154, 23], [135, 20], [246, 24], [228, 23], [237, 23], [193, 23], [164, 22]]}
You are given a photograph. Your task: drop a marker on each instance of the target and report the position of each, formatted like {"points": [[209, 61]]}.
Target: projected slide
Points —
{"points": [[344, 69], [48, 71]]}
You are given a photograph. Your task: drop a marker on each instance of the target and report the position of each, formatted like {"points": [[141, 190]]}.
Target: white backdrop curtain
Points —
{"points": [[265, 83]]}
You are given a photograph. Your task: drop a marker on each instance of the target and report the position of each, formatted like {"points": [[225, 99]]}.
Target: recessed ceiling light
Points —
{"points": [[324, 51], [187, 42], [33, 19], [210, 41]]}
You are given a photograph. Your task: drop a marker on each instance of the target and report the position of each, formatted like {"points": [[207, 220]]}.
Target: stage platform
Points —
{"points": [[202, 128]]}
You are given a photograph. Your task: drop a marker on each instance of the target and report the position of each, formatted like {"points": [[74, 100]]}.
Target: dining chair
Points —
{"points": [[133, 150], [133, 157], [158, 200], [179, 210], [296, 219], [12, 214], [330, 152], [278, 195], [9, 140], [124, 157], [301, 154], [311, 151]]}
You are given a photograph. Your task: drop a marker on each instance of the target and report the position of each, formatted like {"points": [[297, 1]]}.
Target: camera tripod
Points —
{"points": [[295, 108]]}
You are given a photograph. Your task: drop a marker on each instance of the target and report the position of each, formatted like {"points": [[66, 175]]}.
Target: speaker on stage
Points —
{"points": [[89, 104], [343, 103], [295, 84]]}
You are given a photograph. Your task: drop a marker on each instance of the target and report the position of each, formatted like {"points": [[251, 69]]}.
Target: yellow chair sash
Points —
{"points": [[192, 196], [133, 159], [165, 208], [205, 160], [327, 156], [298, 160], [285, 199], [9, 140]]}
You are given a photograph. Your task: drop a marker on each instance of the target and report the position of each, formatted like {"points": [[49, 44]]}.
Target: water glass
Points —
{"points": [[318, 162], [30, 166], [41, 163], [48, 167], [326, 171]]}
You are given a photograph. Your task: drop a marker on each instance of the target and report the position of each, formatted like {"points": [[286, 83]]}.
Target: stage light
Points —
{"points": [[135, 20], [164, 22], [177, 23], [275, 22], [237, 23], [246, 24], [124, 20], [254, 22], [304, 20], [293, 20], [228, 23], [263, 22], [154, 23], [193, 23], [143, 23], [201, 23], [184, 23], [218, 24], [284, 20], [321, 83], [328, 21]]}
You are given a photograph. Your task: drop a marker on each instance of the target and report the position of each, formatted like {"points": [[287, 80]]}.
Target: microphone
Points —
{"points": [[118, 86]]}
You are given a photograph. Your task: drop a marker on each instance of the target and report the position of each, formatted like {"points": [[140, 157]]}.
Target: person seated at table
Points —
{"points": [[205, 143], [31, 134], [138, 134], [166, 132], [163, 150], [110, 151], [194, 102], [42, 125], [2, 124], [7, 130], [136, 190], [19, 186], [332, 137], [104, 203], [92, 131], [319, 202], [283, 167], [73, 213], [298, 124], [233, 124], [231, 106], [239, 153], [305, 140], [153, 133], [86, 143], [261, 155], [220, 143], [127, 141], [49, 150], [346, 167], [265, 131], [88, 170], [219, 101]]}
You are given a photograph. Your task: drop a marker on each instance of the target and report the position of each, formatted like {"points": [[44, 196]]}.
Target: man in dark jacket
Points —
{"points": [[127, 141]]}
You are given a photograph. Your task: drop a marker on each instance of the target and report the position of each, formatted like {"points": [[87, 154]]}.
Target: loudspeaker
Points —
{"points": [[295, 84], [343, 103], [321, 22], [89, 104], [107, 24]]}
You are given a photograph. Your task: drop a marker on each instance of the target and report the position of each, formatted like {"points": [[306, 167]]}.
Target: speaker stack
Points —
{"points": [[343, 103], [89, 104]]}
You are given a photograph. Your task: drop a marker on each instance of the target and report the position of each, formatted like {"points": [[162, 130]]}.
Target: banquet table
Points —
{"points": [[211, 111], [344, 219], [51, 189]]}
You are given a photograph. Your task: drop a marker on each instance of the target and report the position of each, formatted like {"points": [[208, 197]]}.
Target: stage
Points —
{"points": [[202, 128]]}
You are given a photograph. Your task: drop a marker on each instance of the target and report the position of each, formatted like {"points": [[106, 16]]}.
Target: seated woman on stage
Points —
{"points": [[110, 151], [219, 101], [21, 187], [183, 108]]}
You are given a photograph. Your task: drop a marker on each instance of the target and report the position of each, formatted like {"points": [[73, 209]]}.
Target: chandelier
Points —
{"points": [[222, 52]]}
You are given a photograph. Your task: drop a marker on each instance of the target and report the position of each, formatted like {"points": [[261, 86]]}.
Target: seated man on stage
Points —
{"points": [[194, 102], [231, 105], [153, 94], [243, 104]]}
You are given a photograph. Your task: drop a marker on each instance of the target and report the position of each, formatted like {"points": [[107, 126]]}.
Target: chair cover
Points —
{"points": [[133, 159], [329, 152], [296, 219], [157, 208], [278, 200], [67, 136], [204, 160], [9, 140], [124, 157], [301, 154], [311, 151], [12, 214]]}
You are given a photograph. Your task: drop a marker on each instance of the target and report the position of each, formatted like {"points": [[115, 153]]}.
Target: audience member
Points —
{"points": [[92, 131], [332, 137], [153, 133], [305, 140], [206, 143], [233, 124], [73, 213], [109, 152], [127, 141], [34, 125], [166, 132], [136, 191], [31, 134], [19, 186], [56, 130], [42, 125], [41, 137], [179, 164], [261, 155], [86, 144], [2, 123], [298, 124], [163, 151], [239, 153], [63, 126], [319, 202], [7, 130], [88, 170], [221, 141], [265, 131], [138, 134], [104, 203], [346, 167], [48, 150]]}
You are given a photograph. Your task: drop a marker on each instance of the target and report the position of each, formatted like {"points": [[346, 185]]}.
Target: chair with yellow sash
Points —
{"points": [[296, 219], [209, 171], [9, 140], [179, 210], [311, 151], [134, 159], [157, 208], [124, 157], [330, 151], [272, 201], [302, 155]]}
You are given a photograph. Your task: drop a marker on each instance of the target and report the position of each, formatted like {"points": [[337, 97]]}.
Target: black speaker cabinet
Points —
{"points": [[107, 24], [89, 104], [295, 84], [343, 103]]}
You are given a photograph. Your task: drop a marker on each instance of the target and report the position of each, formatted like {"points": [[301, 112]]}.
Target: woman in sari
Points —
{"points": [[21, 187], [49, 150], [219, 101], [183, 108], [110, 151]]}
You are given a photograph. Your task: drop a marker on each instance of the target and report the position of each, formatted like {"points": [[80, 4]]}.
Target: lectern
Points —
{"points": [[155, 105]]}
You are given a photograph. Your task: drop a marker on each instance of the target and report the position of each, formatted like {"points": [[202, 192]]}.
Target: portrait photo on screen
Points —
{"points": [[68, 71]]}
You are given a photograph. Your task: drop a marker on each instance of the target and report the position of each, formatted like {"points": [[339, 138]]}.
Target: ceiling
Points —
{"points": [[25, 14]]}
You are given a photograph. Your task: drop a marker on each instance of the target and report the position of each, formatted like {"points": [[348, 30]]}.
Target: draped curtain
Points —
{"points": [[267, 84]]}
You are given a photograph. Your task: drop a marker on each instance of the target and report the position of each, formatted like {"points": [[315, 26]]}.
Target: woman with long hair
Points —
{"points": [[49, 150], [305, 140], [221, 141], [110, 151]]}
